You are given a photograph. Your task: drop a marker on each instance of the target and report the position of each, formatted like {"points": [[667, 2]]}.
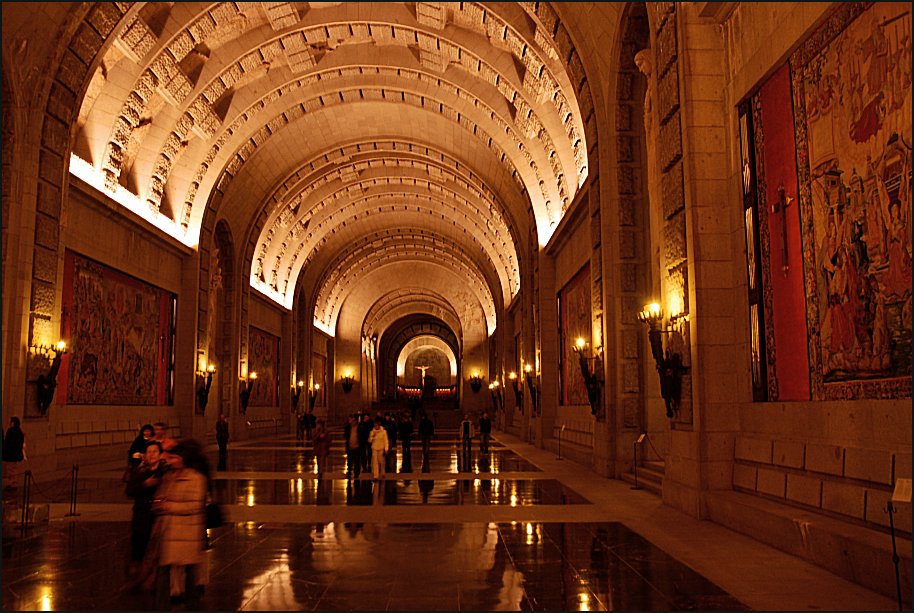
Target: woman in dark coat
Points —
{"points": [[138, 446]]}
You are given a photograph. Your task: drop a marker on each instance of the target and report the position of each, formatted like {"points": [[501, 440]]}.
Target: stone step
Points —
{"points": [[649, 477]]}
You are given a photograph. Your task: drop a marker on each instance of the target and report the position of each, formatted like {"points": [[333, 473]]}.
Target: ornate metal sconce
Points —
{"points": [[669, 364], [590, 369], [498, 396], [47, 383], [518, 388], [204, 383], [475, 382], [246, 387], [532, 387], [296, 394], [312, 395], [347, 382]]}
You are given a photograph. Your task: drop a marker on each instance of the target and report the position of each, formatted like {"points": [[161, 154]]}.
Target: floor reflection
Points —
{"points": [[369, 566], [390, 492]]}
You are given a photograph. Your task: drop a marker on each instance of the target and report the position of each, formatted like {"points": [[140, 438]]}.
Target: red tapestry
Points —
{"points": [[120, 336], [852, 97], [263, 358], [574, 304]]}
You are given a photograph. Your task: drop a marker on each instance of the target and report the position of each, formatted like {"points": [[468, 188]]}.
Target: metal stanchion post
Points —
{"points": [[74, 485], [561, 430], [26, 495], [890, 509], [635, 461]]}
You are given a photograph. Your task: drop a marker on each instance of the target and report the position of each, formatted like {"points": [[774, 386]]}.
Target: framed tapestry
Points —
{"points": [[575, 318], [121, 336], [852, 101], [263, 358]]}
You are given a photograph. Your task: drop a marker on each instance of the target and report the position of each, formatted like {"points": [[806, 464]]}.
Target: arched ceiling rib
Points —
{"points": [[343, 138], [403, 301]]}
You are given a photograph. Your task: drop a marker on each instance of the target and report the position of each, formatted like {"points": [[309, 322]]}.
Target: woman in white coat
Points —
{"points": [[379, 444]]}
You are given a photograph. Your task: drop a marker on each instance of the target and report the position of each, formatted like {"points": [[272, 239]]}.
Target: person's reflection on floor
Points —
{"points": [[426, 485]]}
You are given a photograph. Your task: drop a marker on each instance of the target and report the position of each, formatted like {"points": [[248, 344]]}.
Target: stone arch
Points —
{"points": [[398, 335]]}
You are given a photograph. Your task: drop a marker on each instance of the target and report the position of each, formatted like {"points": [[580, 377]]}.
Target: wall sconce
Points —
{"points": [[296, 394], [475, 382], [518, 389], [531, 386], [312, 395], [246, 387], [669, 364], [590, 369], [498, 397], [205, 382], [47, 384], [347, 382]]}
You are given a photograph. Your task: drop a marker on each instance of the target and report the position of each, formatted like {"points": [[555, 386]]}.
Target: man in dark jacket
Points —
{"points": [[353, 449], [365, 426], [405, 434], [13, 453]]}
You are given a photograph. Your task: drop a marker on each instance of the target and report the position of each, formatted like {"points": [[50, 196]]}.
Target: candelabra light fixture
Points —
{"points": [[47, 383], [518, 389], [247, 385], [590, 370], [498, 395], [204, 383], [347, 382], [296, 394], [312, 395], [532, 387], [475, 382], [669, 363]]}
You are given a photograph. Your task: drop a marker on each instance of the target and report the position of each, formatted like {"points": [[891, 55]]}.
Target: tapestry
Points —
{"points": [[574, 307], [319, 376], [852, 98], [263, 358], [120, 334]]}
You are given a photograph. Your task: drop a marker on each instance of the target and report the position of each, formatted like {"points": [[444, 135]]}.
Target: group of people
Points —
{"points": [[169, 482], [369, 442]]}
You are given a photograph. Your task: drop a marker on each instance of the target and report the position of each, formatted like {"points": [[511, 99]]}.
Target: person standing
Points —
{"points": [[485, 431], [426, 431], [365, 427], [141, 486], [379, 446], [13, 453], [161, 430], [353, 451], [390, 426], [222, 435], [321, 440], [179, 531], [466, 436]]}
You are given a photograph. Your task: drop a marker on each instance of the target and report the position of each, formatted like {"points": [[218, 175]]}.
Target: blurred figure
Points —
{"points": [[141, 486], [365, 427], [390, 426], [426, 431], [222, 435], [485, 432], [353, 450], [13, 454], [466, 437], [179, 532], [161, 435], [321, 439]]}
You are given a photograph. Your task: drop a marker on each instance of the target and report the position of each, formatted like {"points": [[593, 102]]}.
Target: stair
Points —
{"points": [[649, 477]]}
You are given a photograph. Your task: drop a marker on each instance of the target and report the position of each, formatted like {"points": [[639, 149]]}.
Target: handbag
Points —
{"points": [[214, 516]]}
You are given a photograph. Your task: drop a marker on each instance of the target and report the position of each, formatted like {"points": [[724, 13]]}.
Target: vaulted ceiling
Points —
{"points": [[340, 139]]}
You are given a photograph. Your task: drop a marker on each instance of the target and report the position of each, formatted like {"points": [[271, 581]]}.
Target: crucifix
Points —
{"points": [[422, 376], [780, 206]]}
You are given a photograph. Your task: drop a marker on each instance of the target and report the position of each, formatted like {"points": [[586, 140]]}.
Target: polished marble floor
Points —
{"points": [[515, 529]]}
